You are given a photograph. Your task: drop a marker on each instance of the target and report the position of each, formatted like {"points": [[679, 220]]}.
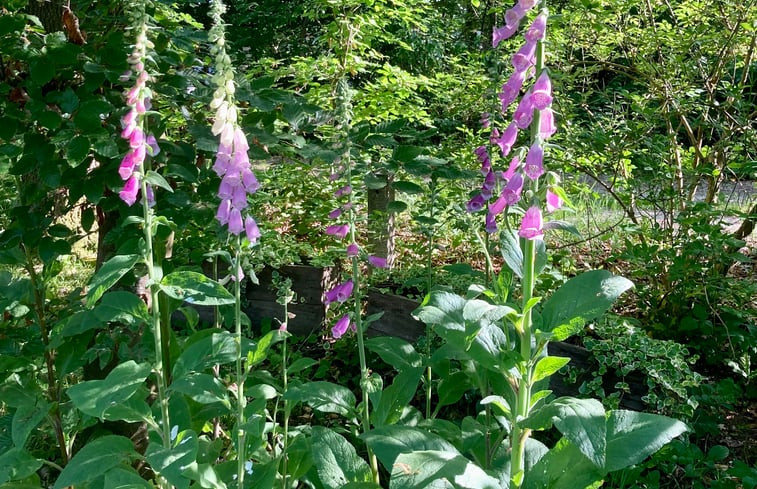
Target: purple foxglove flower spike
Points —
{"points": [[341, 327], [506, 141], [554, 201], [377, 261], [537, 29], [491, 224], [531, 227], [511, 192], [524, 58], [534, 167], [541, 92], [524, 114], [547, 124], [476, 203]]}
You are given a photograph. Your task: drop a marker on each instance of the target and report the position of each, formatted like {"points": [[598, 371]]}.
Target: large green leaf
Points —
{"points": [[202, 388], [398, 395], [172, 462], [336, 460], [97, 397], [395, 351], [205, 349], [389, 441], [123, 477], [582, 421], [26, 418], [586, 296], [632, 436], [121, 306], [195, 288], [323, 396], [17, 464], [438, 469], [108, 274], [563, 467], [95, 459]]}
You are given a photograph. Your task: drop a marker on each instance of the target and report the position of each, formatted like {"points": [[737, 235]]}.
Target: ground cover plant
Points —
{"points": [[505, 165]]}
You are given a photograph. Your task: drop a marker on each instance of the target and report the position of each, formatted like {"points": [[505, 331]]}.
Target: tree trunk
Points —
{"points": [[49, 12], [381, 222]]}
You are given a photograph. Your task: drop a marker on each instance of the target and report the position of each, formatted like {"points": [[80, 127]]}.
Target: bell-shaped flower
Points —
{"points": [[511, 89], [489, 181], [514, 15], [129, 193], [335, 213], [541, 92], [338, 230], [476, 203], [507, 139], [554, 201], [346, 190], [547, 124], [499, 34], [251, 229], [531, 227], [524, 114], [339, 293], [496, 207], [514, 165], [537, 29], [236, 226], [224, 209], [341, 327], [512, 191], [128, 164], [250, 182], [353, 250], [524, 58], [485, 121], [152, 144], [136, 138], [491, 224], [527, 4], [377, 261], [534, 167]]}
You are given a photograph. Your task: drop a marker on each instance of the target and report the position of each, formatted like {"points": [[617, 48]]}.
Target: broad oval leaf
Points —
{"points": [[195, 288], [438, 469], [107, 276], [323, 396], [336, 460], [95, 397], [95, 459]]}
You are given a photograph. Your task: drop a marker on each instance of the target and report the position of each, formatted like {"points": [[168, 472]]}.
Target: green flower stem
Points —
{"points": [[429, 284], [366, 414], [155, 274], [240, 374], [285, 384], [519, 434]]}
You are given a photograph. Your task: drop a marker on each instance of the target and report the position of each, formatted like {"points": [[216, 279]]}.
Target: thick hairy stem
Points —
{"points": [[240, 375], [154, 272]]}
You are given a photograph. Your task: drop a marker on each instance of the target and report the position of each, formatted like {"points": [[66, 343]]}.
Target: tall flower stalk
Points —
{"points": [[135, 170], [232, 164], [533, 112], [352, 288]]}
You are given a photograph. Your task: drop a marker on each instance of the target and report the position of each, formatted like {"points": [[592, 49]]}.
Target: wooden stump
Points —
{"points": [[308, 283]]}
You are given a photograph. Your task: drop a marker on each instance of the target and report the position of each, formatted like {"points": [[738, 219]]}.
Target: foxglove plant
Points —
{"points": [[135, 170], [232, 164], [351, 289]]}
